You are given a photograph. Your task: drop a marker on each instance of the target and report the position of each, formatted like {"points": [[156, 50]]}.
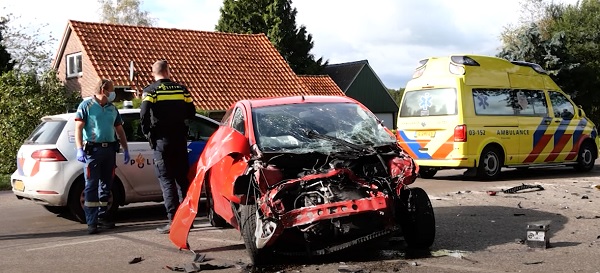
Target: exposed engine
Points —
{"points": [[330, 198]]}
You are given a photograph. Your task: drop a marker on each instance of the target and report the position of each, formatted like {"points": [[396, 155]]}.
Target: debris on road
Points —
{"points": [[587, 217], [585, 197], [532, 263], [519, 205], [537, 234], [519, 214], [136, 260], [199, 258], [492, 193], [523, 187], [344, 268]]}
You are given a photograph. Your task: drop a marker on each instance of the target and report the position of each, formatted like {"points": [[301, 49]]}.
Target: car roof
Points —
{"points": [[297, 100], [68, 116]]}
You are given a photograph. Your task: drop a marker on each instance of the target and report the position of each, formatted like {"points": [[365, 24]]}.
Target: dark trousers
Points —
{"points": [[99, 172], [171, 165]]}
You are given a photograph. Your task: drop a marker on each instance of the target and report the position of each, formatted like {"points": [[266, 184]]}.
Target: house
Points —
{"points": [[320, 84], [218, 68], [358, 81]]}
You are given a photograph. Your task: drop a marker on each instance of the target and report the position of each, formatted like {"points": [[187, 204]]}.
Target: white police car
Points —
{"points": [[49, 174]]}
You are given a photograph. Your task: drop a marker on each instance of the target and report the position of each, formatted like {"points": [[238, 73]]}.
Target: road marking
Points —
{"points": [[70, 244]]}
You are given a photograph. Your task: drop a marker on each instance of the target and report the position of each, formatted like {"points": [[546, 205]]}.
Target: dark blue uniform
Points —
{"points": [[165, 107]]}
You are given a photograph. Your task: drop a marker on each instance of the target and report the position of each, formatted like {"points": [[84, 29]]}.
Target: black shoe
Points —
{"points": [[92, 229], [165, 229], [105, 224]]}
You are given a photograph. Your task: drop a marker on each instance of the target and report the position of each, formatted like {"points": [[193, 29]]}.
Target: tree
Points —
{"points": [[564, 40], [29, 49], [277, 20], [125, 12], [6, 63], [397, 95], [25, 98]]}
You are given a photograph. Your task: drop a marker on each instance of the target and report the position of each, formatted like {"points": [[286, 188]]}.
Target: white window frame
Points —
{"points": [[79, 68]]}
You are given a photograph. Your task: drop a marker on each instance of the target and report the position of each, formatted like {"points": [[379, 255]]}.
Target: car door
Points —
{"points": [[139, 173], [563, 126], [533, 122]]}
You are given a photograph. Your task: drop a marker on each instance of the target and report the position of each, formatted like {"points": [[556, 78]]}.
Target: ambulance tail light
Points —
{"points": [[460, 133], [48, 155]]}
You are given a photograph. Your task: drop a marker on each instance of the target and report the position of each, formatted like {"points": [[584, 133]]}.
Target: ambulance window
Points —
{"points": [[430, 102], [561, 105], [530, 103], [494, 102]]}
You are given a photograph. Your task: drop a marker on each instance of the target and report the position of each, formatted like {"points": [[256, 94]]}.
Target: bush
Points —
{"points": [[24, 99]]}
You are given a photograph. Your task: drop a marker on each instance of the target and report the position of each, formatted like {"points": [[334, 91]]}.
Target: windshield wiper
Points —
{"points": [[312, 134]]}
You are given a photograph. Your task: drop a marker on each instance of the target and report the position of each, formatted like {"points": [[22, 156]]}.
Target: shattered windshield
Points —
{"points": [[285, 128]]}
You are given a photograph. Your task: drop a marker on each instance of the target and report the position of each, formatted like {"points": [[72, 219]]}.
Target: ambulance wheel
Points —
{"points": [[248, 230], [585, 157], [417, 219], [490, 163], [427, 173]]}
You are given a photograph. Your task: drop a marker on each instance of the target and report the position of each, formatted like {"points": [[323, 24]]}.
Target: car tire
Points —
{"points": [[427, 172], [585, 157], [248, 230], [76, 199], [490, 164], [57, 209], [213, 218], [417, 219]]}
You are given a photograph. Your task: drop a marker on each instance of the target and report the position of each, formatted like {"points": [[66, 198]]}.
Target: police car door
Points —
{"points": [[139, 172]]}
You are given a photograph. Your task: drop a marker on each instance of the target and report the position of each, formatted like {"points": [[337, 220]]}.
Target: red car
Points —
{"points": [[306, 175]]}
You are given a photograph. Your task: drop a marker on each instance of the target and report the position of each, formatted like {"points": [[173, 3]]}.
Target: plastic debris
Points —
{"points": [[136, 260], [523, 187]]}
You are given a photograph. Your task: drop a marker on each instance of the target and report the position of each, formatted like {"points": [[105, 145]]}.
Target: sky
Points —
{"points": [[393, 35]]}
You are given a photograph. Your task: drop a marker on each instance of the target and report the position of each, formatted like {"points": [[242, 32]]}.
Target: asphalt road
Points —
{"points": [[476, 232]]}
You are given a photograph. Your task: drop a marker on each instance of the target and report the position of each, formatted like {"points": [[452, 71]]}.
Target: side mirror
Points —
{"points": [[581, 112]]}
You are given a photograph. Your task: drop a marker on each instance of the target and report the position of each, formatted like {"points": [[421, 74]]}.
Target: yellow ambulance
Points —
{"points": [[483, 113]]}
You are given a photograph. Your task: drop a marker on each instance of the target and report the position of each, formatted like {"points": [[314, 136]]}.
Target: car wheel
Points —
{"points": [[248, 230], [427, 173], [585, 157], [57, 209], [416, 218], [490, 164], [76, 199], [213, 218]]}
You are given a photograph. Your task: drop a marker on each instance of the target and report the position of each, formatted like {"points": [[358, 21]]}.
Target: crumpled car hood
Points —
{"points": [[232, 144]]}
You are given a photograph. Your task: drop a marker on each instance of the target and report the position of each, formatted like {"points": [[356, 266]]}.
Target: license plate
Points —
{"points": [[19, 185], [425, 134]]}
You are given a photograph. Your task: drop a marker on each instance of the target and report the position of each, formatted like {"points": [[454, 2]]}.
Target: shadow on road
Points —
{"points": [[468, 228], [527, 174]]}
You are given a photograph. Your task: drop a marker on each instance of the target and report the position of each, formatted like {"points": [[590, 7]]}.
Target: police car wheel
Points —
{"points": [[490, 164], [585, 158], [76, 199]]}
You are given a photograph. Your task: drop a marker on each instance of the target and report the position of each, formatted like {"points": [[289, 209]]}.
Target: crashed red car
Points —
{"points": [[306, 175]]}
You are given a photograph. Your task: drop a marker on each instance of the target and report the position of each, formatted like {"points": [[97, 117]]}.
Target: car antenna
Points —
{"points": [[302, 97]]}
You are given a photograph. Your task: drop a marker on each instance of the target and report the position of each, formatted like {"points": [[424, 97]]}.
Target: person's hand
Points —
{"points": [[126, 157], [81, 155]]}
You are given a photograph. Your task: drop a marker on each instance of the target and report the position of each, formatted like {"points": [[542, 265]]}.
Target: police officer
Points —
{"points": [[165, 107], [96, 122]]}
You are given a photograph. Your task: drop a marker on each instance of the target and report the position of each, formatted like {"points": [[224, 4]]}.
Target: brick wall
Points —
{"points": [[84, 83]]}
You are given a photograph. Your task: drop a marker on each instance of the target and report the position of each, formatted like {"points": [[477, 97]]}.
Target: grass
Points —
{"points": [[5, 182]]}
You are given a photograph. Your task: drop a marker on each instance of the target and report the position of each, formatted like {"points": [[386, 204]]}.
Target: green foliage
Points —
{"points": [[125, 12], [564, 40], [277, 20], [396, 95], [5, 182], [24, 99], [137, 102]]}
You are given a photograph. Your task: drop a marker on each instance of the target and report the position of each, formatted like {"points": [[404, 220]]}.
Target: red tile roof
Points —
{"points": [[218, 68], [321, 85]]}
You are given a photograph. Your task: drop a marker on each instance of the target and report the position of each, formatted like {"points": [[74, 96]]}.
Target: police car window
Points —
{"points": [[132, 127], [237, 122], [430, 102], [200, 128], [46, 133], [561, 105]]}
